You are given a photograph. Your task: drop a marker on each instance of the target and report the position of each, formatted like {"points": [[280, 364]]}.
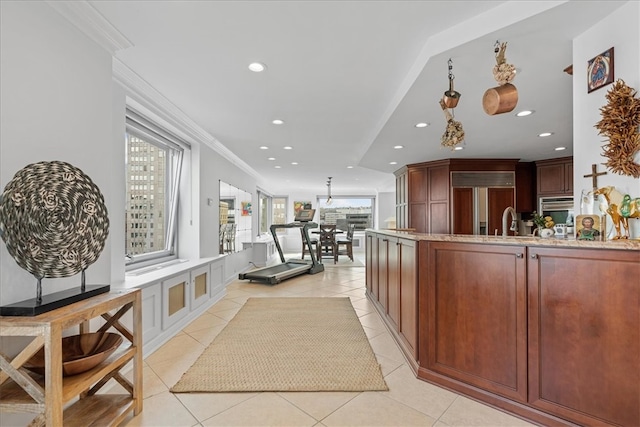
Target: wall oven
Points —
{"points": [[558, 208]]}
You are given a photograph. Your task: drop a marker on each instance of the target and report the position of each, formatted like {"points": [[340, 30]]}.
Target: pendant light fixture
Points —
{"points": [[329, 191]]}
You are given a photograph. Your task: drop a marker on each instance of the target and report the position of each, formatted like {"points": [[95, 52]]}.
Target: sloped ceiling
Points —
{"points": [[350, 79]]}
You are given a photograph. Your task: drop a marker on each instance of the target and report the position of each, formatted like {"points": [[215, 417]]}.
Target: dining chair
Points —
{"points": [[312, 240], [230, 238], [345, 246], [222, 237], [327, 245]]}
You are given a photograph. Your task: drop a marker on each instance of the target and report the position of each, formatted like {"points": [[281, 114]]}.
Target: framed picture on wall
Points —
{"points": [[298, 206], [590, 227], [600, 70], [246, 209]]}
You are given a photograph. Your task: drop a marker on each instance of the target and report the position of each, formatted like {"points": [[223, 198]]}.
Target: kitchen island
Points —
{"points": [[545, 329]]}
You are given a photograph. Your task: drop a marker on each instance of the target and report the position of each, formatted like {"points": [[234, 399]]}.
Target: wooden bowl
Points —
{"points": [[79, 352]]}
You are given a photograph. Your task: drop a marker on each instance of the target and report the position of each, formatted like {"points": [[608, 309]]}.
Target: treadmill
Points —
{"points": [[293, 267]]}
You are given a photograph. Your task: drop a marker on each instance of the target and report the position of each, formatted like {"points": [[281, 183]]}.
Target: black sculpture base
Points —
{"points": [[31, 307]]}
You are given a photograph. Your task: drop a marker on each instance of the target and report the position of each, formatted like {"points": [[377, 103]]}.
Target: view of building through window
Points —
{"points": [[279, 212], [343, 211], [146, 183], [263, 211], [153, 164]]}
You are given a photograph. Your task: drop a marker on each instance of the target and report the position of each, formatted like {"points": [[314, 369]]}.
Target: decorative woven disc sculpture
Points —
{"points": [[53, 219]]}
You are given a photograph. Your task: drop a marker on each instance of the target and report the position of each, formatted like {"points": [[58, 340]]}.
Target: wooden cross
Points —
{"points": [[594, 175]]}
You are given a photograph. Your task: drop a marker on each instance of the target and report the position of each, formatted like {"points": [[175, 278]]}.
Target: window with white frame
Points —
{"points": [[345, 210], [279, 212], [153, 166], [271, 210], [263, 212]]}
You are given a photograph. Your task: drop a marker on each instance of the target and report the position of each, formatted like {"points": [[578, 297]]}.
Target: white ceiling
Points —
{"points": [[352, 78]]}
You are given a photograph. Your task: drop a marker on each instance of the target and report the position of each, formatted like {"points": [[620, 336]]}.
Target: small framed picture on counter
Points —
{"points": [[590, 227]]}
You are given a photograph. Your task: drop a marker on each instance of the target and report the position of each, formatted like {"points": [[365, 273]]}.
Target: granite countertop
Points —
{"points": [[622, 244]]}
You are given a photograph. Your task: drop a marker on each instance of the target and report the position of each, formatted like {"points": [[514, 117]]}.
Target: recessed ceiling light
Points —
{"points": [[257, 67], [349, 167], [294, 163], [288, 148], [560, 148], [264, 147], [545, 134], [458, 148], [422, 125], [277, 122], [393, 163], [271, 158], [278, 167], [397, 147], [524, 113]]}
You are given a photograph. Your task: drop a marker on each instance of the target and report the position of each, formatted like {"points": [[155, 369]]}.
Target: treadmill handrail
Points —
{"points": [[305, 233]]}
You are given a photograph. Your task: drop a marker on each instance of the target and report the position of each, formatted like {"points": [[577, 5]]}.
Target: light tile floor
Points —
{"points": [[409, 401]]}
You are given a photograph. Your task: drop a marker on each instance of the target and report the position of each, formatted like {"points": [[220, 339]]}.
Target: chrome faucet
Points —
{"points": [[514, 221]]}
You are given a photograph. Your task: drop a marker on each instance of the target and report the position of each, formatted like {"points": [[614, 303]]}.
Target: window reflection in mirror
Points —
{"points": [[236, 209]]}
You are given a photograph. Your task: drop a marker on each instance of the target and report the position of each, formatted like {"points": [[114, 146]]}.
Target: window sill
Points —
{"points": [[165, 270], [150, 268]]}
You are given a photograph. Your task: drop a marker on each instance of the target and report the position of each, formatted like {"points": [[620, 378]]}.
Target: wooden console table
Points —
{"points": [[48, 394]]}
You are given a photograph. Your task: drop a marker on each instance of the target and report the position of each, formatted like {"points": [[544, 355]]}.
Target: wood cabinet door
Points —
{"points": [[393, 282], [568, 178], [438, 211], [418, 216], [383, 246], [584, 334], [462, 208], [371, 258], [551, 179], [498, 199], [408, 326], [417, 199], [477, 313], [417, 186], [525, 187], [555, 176]]}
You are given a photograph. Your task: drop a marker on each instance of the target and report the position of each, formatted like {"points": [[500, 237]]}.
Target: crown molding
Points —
{"points": [[88, 20], [149, 101]]}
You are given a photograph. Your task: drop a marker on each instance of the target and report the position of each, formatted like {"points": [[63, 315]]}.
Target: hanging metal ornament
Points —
{"points": [[451, 97], [503, 98], [502, 72], [454, 133]]}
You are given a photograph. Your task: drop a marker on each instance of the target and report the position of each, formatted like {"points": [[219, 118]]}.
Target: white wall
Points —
{"points": [[55, 104], [59, 101], [620, 30], [386, 205], [213, 168], [118, 183]]}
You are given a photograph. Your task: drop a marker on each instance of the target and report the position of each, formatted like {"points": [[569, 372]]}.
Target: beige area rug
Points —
{"points": [[287, 344]]}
